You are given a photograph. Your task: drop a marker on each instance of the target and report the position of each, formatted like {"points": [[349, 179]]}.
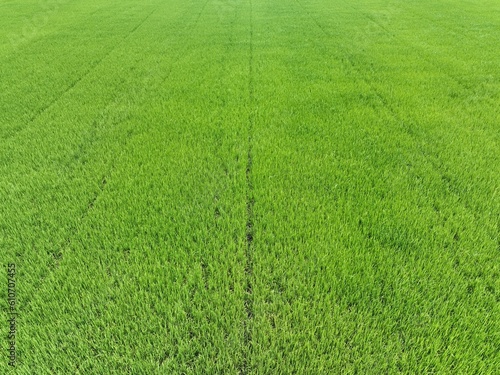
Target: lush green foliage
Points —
{"points": [[251, 187]]}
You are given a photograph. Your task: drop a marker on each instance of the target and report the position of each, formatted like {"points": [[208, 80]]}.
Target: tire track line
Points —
{"points": [[250, 202]]}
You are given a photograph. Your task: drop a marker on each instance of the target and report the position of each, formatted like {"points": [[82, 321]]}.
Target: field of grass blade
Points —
{"points": [[250, 186]]}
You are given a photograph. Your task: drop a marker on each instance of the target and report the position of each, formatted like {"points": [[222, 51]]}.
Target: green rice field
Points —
{"points": [[250, 187]]}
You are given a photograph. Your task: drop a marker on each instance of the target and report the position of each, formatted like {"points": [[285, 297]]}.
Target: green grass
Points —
{"points": [[251, 187]]}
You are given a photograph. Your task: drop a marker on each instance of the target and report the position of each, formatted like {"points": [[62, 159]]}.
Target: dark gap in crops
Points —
{"points": [[140, 23], [57, 254], [250, 215], [90, 206], [205, 274]]}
